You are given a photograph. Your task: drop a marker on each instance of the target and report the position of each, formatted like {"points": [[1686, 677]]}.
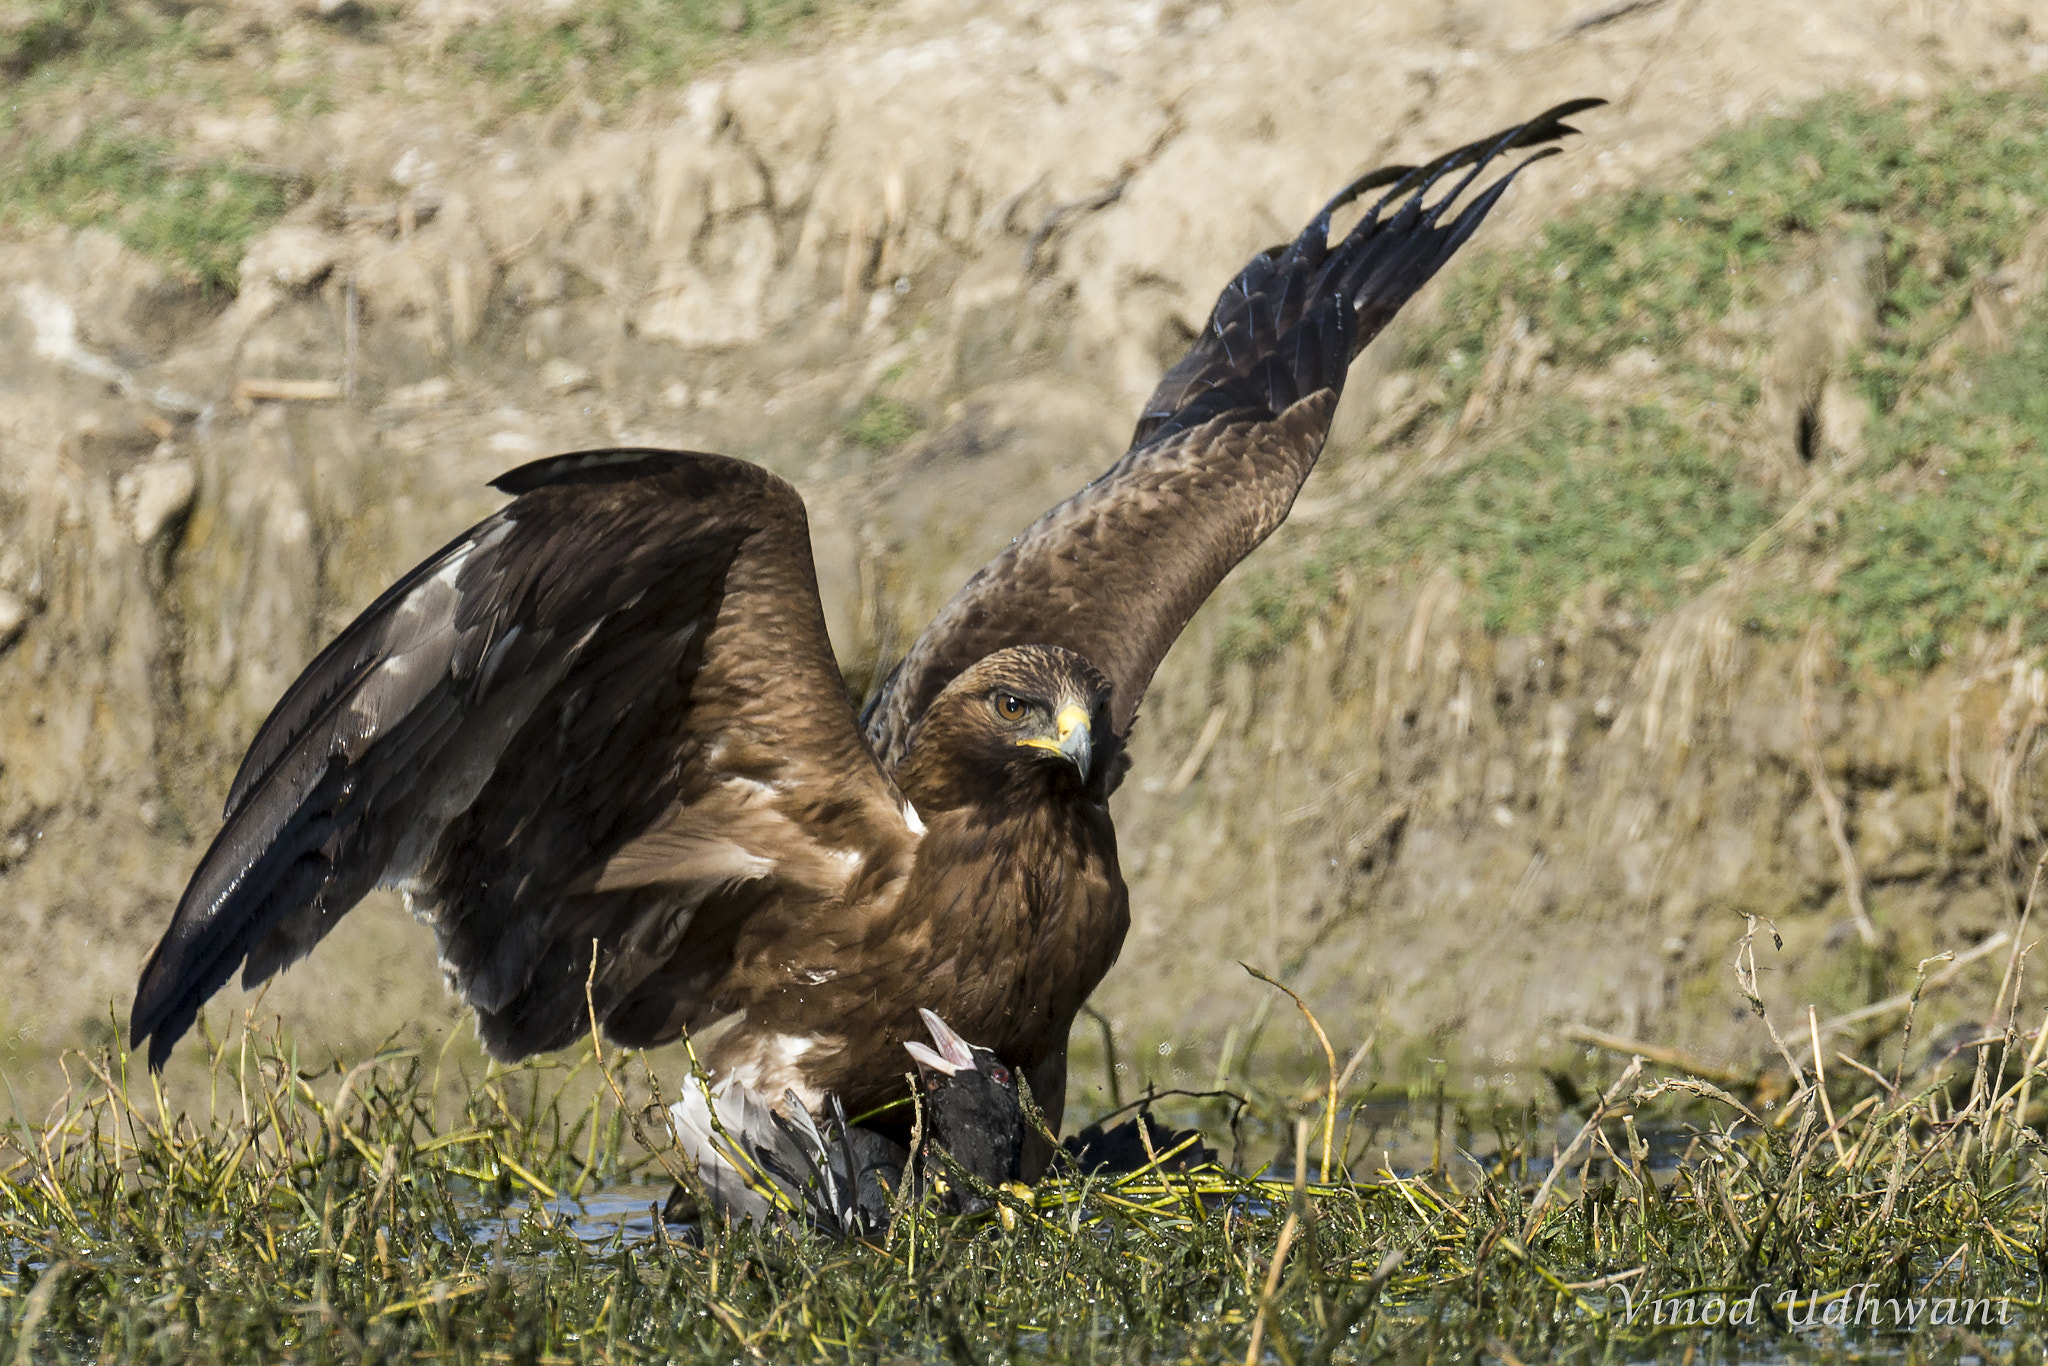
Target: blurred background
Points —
{"points": [[1681, 554]]}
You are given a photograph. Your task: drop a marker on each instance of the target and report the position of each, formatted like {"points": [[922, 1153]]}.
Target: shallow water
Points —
{"points": [[598, 1216]]}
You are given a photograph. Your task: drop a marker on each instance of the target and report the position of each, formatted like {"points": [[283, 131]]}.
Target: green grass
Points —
{"points": [[128, 68], [881, 423], [54, 51], [1570, 497], [1623, 499], [617, 49], [1951, 186], [1647, 492], [40, 34], [196, 218], [268, 1210], [1978, 447]]}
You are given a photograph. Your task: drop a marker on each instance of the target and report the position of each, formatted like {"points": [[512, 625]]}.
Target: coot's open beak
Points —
{"points": [[953, 1054]]}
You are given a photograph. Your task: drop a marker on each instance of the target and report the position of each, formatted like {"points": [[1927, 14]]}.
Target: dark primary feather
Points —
{"points": [[1115, 572], [519, 731]]}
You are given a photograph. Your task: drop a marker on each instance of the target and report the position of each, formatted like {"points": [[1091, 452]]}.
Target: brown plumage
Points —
{"points": [[607, 718]]}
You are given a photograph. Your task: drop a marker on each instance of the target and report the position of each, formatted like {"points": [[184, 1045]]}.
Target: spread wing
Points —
{"points": [[607, 712], [1224, 444]]}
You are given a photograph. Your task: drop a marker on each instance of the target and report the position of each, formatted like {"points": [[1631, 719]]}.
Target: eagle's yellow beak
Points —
{"points": [[1075, 742]]}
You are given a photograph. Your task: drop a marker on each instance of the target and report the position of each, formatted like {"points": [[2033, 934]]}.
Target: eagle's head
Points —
{"points": [[1028, 721]]}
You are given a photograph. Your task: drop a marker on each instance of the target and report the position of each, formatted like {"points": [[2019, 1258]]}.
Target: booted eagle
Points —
{"points": [[607, 719]]}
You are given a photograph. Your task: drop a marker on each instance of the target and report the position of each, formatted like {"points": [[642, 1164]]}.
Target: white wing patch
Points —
{"points": [[912, 819]]}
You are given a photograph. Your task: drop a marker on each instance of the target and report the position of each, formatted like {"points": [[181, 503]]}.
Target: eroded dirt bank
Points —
{"points": [[926, 265]]}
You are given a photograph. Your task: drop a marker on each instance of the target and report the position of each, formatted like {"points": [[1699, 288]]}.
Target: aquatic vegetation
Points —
{"points": [[394, 1209]]}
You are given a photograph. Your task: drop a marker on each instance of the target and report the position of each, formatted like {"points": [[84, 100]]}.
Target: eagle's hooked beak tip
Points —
{"points": [[1077, 740]]}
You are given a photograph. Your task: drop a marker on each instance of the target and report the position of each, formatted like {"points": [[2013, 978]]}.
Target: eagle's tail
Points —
{"points": [[1296, 316]]}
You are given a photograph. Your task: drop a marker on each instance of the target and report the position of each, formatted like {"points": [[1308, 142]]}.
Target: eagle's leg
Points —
{"points": [[1049, 1091]]}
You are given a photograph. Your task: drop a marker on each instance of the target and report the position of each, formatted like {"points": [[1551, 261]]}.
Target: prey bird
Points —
{"points": [[754, 1162], [599, 742]]}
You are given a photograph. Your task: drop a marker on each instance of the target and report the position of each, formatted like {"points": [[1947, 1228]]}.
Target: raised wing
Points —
{"points": [[1116, 571], [609, 712]]}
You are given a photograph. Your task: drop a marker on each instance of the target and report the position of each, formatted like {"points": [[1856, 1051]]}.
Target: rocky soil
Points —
{"points": [[925, 260]]}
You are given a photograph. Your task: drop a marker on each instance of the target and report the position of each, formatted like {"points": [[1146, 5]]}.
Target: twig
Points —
{"points": [[1144, 1102], [1537, 1206], [1058, 217], [1820, 1082], [1287, 1231], [1876, 1076], [1745, 980], [1607, 1281], [2026, 1081], [1698, 1087], [2008, 983], [1358, 1055], [1329, 1056], [248, 391], [901, 1203], [1892, 1183], [605, 1071], [1600, 18]]}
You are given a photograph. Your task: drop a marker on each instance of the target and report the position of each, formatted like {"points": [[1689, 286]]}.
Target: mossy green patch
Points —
{"points": [[195, 216], [1960, 544], [881, 423], [1569, 498], [35, 35], [1628, 500], [1951, 184], [130, 68], [1268, 607], [1652, 485], [55, 51], [617, 49]]}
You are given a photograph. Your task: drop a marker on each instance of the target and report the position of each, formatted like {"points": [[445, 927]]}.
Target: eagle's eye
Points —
{"points": [[1012, 707]]}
